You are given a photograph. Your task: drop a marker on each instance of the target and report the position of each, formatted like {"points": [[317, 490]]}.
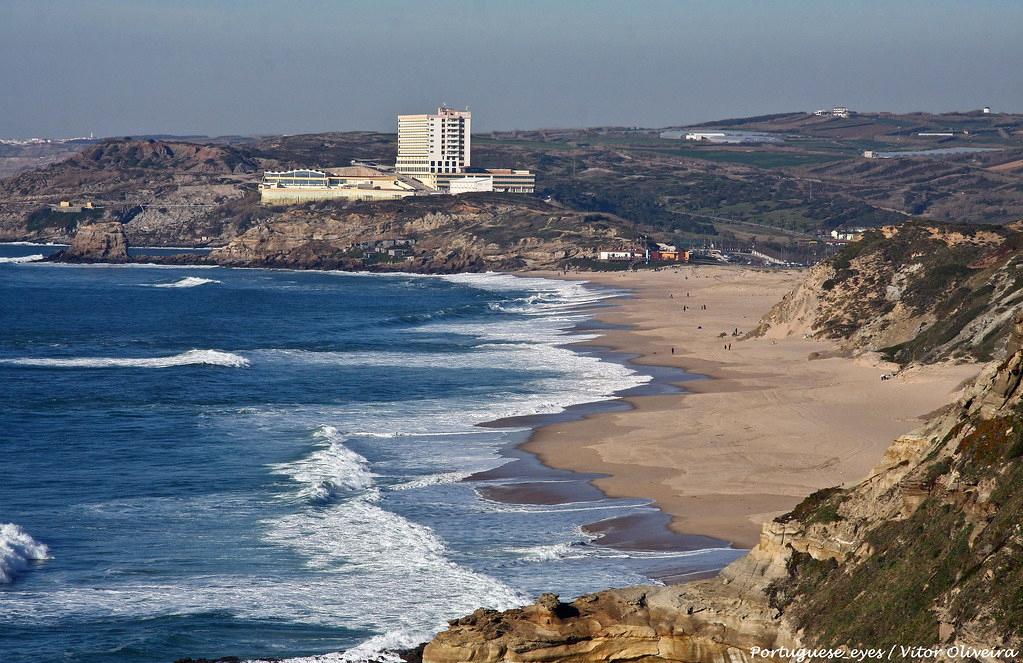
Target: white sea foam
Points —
{"points": [[17, 260], [431, 480], [385, 549], [192, 357], [385, 552], [186, 282], [553, 552], [331, 469], [17, 552], [378, 552], [370, 567], [378, 649]]}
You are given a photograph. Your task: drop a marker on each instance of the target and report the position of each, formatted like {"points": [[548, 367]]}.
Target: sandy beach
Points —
{"points": [[771, 425]]}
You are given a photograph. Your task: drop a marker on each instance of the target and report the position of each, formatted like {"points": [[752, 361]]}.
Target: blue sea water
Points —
{"points": [[208, 462]]}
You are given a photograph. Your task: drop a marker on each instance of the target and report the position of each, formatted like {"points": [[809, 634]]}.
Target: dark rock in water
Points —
{"points": [[412, 655], [183, 259], [97, 242]]}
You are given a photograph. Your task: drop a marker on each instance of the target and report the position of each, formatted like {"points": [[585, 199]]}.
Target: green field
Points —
{"points": [[757, 158]]}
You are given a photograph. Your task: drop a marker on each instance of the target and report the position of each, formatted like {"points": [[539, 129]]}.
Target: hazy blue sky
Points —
{"points": [[122, 67]]}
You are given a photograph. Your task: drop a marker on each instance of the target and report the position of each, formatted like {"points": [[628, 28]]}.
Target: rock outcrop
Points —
{"points": [[684, 623], [164, 192], [98, 242], [488, 232]]}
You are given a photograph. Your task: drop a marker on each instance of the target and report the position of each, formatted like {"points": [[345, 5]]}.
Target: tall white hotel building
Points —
{"points": [[432, 144], [435, 149]]}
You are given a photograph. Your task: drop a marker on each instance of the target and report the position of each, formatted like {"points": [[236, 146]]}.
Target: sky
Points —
{"points": [[217, 67]]}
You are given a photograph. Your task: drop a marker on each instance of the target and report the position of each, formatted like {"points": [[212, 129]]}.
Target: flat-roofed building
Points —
{"points": [[619, 256], [348, 183], [505, 180], [470, 184]]}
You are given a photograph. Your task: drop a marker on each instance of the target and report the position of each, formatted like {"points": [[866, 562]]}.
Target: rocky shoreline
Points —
{"points": [[426, 240]]}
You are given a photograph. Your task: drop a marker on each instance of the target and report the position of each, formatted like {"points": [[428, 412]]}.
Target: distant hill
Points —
{"points": [[781, 196], [169, 192]]}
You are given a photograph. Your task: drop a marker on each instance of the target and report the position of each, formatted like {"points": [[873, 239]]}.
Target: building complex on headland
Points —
{"points": [[349, 183], [434, 157]]}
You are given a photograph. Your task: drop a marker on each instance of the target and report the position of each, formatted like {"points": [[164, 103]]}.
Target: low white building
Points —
{"points": [[614, 256], [848, 234], [705, 135], [837, 111], [470, 184]]}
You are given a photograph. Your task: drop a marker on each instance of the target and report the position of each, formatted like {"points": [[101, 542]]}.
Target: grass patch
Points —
{"points": [[819, 507], [756, 158]]}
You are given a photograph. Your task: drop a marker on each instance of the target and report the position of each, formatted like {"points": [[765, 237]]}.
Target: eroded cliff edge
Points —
{"points": [[925, 551]]}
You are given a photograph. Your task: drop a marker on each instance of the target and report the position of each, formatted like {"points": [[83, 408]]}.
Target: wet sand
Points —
{"points": [[772, 424]]}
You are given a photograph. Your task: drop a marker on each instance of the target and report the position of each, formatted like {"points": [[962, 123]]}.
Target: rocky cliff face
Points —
{"points": [[165, 192], [479, 233], [438, 234], [916, 293], [98, 242], [927, 549]]}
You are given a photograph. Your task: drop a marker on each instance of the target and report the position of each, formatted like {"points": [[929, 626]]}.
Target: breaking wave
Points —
{"points": [[17, 552], [192, 357], [386, 550], [187, 282], [328, 471], [20, 259], [354, 531], [431, 480]]}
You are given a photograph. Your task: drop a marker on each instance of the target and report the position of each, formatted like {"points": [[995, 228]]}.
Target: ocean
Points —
{"points": [[210, 462]]}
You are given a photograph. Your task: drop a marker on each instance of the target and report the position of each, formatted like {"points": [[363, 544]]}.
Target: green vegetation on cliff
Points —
{"points": [[917, 292], [956, 560]]}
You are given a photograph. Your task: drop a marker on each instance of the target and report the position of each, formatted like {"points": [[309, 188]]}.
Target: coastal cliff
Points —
{"points": [[164, 192], [915, 293], [445, 234], [925, 551], [437, 235]]}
